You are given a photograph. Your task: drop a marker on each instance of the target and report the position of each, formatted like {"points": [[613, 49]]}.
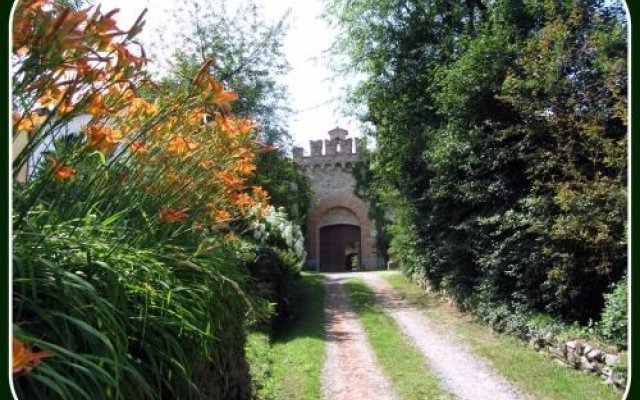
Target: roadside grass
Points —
{"points": [[403, 363], [533, 372], [289, 366]]}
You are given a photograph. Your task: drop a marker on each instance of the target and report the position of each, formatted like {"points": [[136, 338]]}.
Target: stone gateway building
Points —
{"points": [[340, 234]]}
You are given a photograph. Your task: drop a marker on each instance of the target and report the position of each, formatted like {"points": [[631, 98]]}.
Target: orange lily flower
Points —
{"points": [[138, 147], [219, 214], [202, 71], [224, 98], [180, 145], [245, 166], [139, 104], [27, 122], [65, 107], [172, 215], [205, 163], [244, 201], [102, 138], [24, 359], [230, 180], [51, 97], [236, 126], [96, 106], [62, 172], [221, 97], [260, 193]]}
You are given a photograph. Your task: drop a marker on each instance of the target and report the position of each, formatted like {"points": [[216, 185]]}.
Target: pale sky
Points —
{"points": [[314, 97]]}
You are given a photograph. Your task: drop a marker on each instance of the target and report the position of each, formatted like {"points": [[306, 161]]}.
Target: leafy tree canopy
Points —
{"points": [[501, 144]]}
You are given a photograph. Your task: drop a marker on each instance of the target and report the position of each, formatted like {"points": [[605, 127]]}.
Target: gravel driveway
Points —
{"points": [[463, 374]]}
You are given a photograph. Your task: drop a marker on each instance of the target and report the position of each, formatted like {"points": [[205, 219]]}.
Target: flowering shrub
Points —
{"points": [[124, 275], [183, 155], [273, 226]]}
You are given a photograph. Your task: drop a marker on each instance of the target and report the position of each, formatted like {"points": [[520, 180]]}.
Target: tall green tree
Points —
{"points": [[501, 144], [569, 84], [246, 49]]}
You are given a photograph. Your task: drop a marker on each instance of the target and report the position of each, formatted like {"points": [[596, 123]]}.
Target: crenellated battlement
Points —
{"points": [[336, 151]]}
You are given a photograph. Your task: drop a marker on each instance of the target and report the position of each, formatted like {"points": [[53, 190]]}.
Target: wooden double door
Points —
{"points": [[339, 247]]}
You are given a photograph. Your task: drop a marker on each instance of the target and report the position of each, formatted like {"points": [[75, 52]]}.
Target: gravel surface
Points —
{"points": [[351, 371], [463, 373]]}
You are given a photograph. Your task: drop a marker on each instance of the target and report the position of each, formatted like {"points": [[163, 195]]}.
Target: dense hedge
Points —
{"points": [[501, 158]]}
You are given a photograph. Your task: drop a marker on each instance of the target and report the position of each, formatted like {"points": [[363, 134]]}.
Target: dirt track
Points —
{"points": [[351, 371]]}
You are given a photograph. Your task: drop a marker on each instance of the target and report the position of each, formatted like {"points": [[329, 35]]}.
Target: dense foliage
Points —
{"points": [[132, 235], [501, 134], [613, 324], [246, 49]]}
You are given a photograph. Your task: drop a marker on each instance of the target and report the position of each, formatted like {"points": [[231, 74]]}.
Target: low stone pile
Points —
{"points": [[581, 355]]}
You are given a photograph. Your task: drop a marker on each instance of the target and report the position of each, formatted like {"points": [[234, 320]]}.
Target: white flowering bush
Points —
{"points": [[273, 227]]}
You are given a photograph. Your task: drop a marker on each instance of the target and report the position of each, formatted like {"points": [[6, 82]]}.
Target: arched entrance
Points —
{"points": [[340, 209], [339, 247]]}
